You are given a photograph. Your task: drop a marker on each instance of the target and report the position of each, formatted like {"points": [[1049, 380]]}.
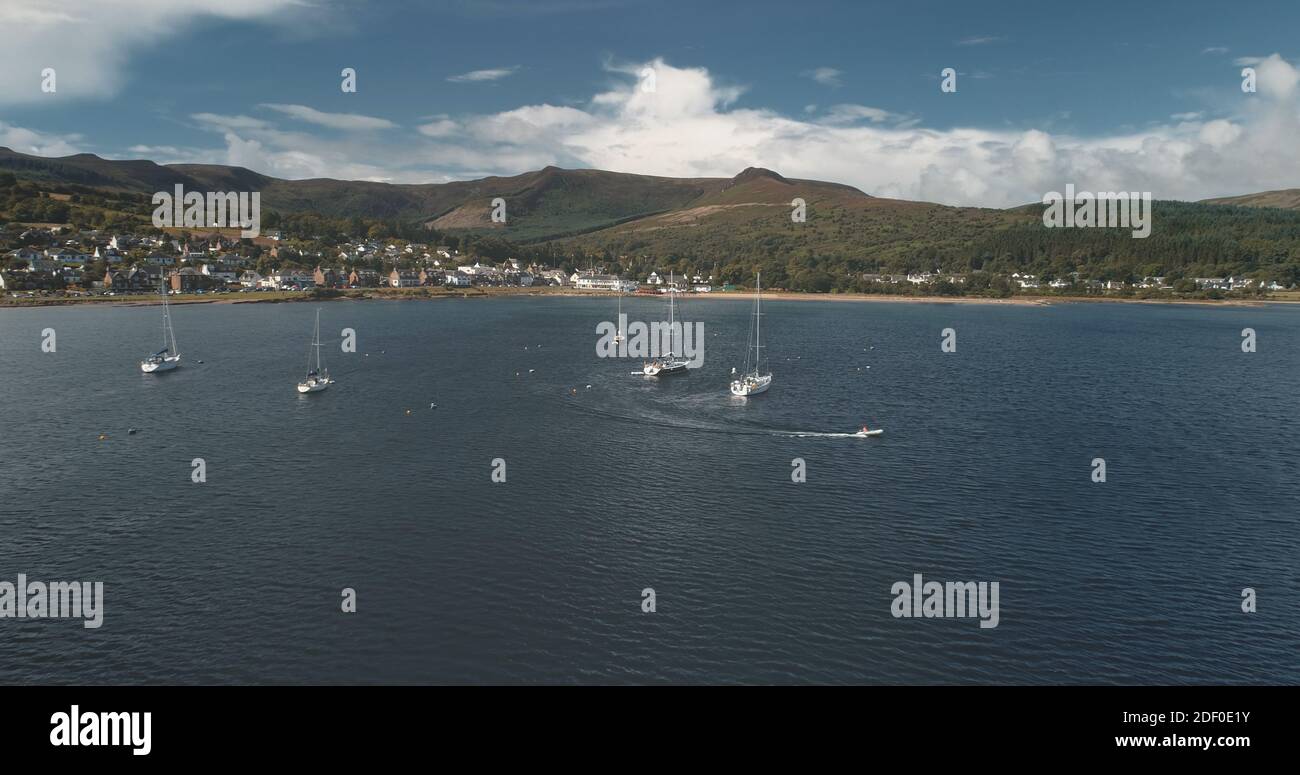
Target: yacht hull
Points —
{"points": [[751, 388], [166, 364], [663, 369]]}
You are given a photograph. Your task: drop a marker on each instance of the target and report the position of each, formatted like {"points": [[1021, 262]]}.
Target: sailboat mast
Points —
{"points": [[758, 321], [169, 335], [672, 298]]}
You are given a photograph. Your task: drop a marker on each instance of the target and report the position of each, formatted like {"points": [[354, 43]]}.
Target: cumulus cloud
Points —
{"points": [[88, 42], [264, 147], [38, 143], [692, 125]]}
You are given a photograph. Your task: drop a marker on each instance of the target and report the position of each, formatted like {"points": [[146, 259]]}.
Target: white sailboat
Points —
{"points": [[753, 383], [669, 363], [169, 357], [317, 378]]}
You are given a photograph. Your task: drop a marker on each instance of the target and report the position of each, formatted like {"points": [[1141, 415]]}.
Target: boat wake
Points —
{"points": [[817, 435]]}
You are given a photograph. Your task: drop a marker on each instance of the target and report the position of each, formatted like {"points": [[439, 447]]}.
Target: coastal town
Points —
{"points": [[52, 261], [61, 262]]}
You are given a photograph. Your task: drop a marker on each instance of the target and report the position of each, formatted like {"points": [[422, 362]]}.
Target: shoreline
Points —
{"points": [[438, 293]]}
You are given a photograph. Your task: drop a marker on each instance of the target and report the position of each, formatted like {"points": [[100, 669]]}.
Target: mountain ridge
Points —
{"points": [[736, 223]]}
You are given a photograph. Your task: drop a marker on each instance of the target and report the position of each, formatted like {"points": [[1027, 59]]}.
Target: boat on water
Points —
{"points": [[866, 432], [169, 357], [318, 377], [669, 363], [751, 383]]}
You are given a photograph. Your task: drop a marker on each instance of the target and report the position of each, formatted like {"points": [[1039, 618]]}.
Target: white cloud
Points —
{"points": [[441, 126], [1214, 50], [345, 121], [851, 114], [209, 120], [263, 147], [690, 126], [826, 76], [88, 42], [1277, 78], [980, 40], [38, 143], [475, 76]]}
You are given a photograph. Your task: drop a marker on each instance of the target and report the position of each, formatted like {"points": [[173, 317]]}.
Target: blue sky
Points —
{"points": [[1121, 94]]}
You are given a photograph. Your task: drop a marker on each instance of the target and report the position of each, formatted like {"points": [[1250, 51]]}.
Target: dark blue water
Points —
{"points": [[983, 474]]}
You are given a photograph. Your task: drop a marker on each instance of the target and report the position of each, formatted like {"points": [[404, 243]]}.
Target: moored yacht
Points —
{"points": [[760, 379], [318, 378], [669, 363], [169, 357]]}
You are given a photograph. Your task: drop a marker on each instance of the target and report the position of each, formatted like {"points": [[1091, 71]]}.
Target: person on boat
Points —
{"points": [[865, 429]]}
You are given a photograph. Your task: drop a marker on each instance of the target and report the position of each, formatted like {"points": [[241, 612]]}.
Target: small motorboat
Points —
{"points": [[865, 432]]}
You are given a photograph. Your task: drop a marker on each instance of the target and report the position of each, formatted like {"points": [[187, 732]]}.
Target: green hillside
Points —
{"points": [[725, 226]]}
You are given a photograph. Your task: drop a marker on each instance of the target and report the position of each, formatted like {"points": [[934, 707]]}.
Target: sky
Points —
{"points": [[1131, 96]]}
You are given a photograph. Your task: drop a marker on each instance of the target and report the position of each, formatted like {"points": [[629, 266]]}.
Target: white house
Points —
{"points": [[597, 282], [290, 278], [220, 273]]}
